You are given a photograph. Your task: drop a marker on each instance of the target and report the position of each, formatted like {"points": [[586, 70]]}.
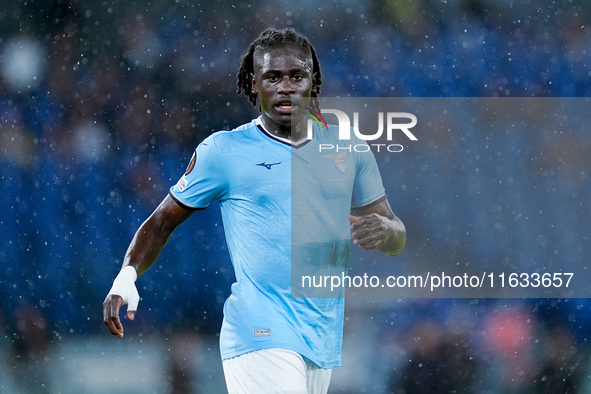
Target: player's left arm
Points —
{"points": [[376, 226]]}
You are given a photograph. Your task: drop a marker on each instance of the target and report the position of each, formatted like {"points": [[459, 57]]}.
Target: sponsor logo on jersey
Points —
{"points": [[182, 183], [268, 166]]}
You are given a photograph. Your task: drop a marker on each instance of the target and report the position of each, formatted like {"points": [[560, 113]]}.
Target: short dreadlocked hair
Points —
{"points": [[274, 38]]}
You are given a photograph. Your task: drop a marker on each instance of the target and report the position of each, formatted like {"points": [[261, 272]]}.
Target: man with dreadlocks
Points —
{"points": [[271, 341]]}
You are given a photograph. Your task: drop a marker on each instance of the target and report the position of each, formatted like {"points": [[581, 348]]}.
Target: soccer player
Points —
{"points": [[271, 341]]}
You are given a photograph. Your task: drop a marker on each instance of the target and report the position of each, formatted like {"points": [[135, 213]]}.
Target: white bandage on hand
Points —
{"points": [[124, 286]]}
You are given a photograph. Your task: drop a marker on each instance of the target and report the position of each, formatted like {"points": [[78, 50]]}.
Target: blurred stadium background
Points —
{"points": [[102, 103]]}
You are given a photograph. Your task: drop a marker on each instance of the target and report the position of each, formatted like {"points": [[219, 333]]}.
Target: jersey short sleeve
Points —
{"points": [[368, 187], [204, 180]]}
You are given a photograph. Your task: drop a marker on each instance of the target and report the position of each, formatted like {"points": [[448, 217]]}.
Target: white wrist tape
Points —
{"points": [[124, 286]]}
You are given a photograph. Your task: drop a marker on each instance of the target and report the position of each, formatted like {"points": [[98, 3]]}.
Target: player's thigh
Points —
{"points": [[268, 371]]}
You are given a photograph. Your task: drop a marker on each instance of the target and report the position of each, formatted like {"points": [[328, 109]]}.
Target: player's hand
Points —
{"points": [[369, 231], [122, 292]]}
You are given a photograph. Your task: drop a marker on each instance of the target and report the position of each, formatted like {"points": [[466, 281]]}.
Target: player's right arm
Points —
{"points": [[142, 252]]}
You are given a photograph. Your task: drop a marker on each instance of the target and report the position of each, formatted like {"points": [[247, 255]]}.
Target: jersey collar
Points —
{"points": [[287, 141]]}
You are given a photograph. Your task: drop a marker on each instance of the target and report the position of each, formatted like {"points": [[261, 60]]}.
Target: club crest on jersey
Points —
{"points": [[338, 161]]}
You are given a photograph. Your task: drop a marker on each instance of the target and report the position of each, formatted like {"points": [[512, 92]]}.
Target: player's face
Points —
{"points": [[283, 80]]}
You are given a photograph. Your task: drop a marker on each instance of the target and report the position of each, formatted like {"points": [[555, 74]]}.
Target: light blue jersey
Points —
{"points": [[259, 180]]}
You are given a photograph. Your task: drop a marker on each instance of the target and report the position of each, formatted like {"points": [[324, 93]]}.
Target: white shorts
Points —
{"points": [[274, 371]]}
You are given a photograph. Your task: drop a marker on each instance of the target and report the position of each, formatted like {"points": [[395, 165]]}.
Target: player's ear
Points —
{"points": [[253, 87]]}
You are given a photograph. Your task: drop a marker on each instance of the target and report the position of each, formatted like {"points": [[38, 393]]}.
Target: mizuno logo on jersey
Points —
{"points": [[268, 165]]}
